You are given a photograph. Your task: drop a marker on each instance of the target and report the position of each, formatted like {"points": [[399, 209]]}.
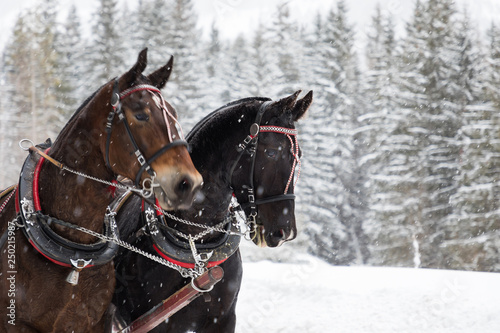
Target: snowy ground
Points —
{"points": [[312, 296]]}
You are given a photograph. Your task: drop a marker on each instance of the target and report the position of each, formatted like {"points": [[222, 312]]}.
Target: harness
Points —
{"points": [[181, 249], [36, 227]]}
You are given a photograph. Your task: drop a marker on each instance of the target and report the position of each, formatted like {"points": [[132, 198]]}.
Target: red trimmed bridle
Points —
{"points": [[249, 145], [145, 164]]}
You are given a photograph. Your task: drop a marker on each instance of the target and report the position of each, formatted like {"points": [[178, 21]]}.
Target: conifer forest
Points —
{"points": [[401, 147]]}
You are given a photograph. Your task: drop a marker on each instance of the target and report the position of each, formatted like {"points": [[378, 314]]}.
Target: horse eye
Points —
{"points": [[142, 117], [271, 153]]}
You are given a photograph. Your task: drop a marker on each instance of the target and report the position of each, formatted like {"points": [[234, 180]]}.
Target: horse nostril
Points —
{"points": [[184, 187], [278, 234]]}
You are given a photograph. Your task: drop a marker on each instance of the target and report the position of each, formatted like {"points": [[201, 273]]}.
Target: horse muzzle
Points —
{"points": [[273, 238], [177, 189]]}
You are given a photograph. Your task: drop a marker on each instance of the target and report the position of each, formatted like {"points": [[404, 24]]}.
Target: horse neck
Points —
{"points": [[70, 197]]}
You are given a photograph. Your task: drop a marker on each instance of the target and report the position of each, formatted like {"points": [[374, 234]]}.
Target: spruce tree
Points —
{"points": [[391, 238], [106, 47], [287, 51], [263, 67], [334, 203], [182, 87], [472, 231], [430, 90], [70, 66]]}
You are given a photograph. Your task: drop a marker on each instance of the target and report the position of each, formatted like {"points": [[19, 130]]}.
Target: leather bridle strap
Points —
{"points": [[117, 111], [146, 166], [275, 198], [250, 145]]}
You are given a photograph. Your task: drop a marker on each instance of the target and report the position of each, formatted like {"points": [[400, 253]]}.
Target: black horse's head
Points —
{"points": [[270, 170]]}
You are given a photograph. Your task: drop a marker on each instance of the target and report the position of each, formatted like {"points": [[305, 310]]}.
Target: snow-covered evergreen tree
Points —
{"points": [[182, 88], [70, 70], [216, 76], [152, 28], [472, 236], [30, 80], [391, 238], [430, 92], [263, 67], [334, 199], [106, 49], [286, 51]]}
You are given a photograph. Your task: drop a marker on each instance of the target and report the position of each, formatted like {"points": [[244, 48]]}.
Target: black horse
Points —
{"points": [[246, 149]]}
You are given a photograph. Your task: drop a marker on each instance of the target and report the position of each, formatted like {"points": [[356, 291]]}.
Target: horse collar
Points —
{"points": [[36, 227], [178, 251]]}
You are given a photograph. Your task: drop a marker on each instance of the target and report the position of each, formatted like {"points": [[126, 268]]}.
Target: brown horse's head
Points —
{"points": [[151, 150], [276, 165]]}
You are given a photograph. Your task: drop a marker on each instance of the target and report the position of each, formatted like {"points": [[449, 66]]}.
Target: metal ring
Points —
{"points": [[248, 235], [25, 148], [198, 289], [16, 222], [148, 186], [114, 103]]}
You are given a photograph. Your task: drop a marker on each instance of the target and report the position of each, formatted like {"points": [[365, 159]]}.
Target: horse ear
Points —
{"points": [[287, 103], [138, 68], [302, 106], [160, 77]]}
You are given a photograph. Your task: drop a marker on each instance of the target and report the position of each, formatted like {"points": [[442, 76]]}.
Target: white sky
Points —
{"points": [[238, 16]]}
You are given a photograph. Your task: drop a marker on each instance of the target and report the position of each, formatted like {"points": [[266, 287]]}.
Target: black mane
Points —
{"points": [[218, 112]]}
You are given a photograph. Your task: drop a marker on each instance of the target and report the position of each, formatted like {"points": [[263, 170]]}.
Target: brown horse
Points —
{"points": [[126, 129]]}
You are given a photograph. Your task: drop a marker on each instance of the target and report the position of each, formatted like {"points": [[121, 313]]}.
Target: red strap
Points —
{"points": [[36, 179], [112, 188], [186, 264]]}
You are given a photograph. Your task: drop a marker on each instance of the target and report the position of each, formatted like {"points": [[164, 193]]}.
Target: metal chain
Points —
{"points": [[187, 222], [217, 227], [185, 272], [143, 192]]}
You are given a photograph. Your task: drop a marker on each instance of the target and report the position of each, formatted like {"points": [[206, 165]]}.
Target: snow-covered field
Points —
{"points": [[312, 296]]}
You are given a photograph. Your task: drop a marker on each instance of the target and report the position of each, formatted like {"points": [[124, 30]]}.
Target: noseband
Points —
{"points": [[145, 164], [249, 145]]}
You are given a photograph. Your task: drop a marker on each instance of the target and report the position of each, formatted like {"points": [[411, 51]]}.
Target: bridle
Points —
{"points": [[249, 145], [145, 164]]}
